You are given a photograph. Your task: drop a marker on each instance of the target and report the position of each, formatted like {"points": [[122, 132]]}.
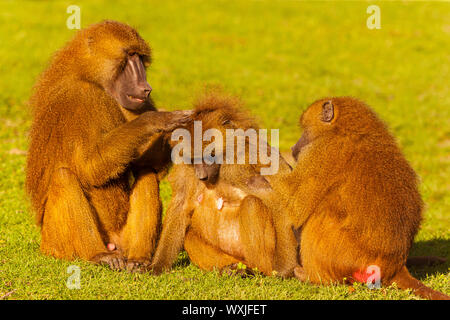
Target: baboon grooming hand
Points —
{"points": [[164, 121]]}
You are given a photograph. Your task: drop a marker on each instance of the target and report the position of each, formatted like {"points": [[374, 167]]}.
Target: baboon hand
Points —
{"points": [[239, 270], [163, 121], [154, 269], [258, 186], [180, 118]]}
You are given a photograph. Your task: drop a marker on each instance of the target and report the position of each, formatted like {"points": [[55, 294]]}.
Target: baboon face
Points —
{"points": [[130, 88], [218, 112], [207, 172], [115, 57], [302, 142]]}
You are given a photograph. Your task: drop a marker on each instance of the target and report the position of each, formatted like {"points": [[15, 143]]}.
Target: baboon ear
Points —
{"points": [[327, 111]]}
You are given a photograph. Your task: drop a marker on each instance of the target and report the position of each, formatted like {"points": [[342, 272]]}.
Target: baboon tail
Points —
{"points": [[405, 280]]}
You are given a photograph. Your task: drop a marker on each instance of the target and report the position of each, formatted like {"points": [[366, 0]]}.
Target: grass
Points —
{"points": [[279, 56]]}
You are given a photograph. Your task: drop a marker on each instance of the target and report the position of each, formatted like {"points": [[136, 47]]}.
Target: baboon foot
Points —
{"points": [[113, 259], [138, 265], [237, 269]]}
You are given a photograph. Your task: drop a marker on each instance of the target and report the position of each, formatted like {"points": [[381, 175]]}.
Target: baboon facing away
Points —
{"points": [[218, 223], [93, 125], [354, 197]]}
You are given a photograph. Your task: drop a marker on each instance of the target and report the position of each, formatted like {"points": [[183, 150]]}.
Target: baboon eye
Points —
{"points": [[131, 53], [145, 60], [122, 65], [225, 122]]}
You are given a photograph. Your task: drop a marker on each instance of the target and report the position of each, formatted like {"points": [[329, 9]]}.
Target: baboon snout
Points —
{"points": [[201, 172], [297, 148], [207, 172], [144, 89]]}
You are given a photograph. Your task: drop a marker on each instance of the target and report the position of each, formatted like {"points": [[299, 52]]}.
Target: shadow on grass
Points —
{"points": [[434, 247], [182, 260]]}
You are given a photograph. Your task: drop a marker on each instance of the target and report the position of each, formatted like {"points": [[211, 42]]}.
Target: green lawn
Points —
{"points": [[279, 56]]}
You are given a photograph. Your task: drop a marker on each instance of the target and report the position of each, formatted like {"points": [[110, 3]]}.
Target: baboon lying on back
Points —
{"points": [[354, 197], [218, 223]]}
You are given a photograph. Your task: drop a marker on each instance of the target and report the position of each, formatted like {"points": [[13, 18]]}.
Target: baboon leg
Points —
{"points": [[204, 255], [140, 233], [69, 227], [257, 234], [176, 222]]}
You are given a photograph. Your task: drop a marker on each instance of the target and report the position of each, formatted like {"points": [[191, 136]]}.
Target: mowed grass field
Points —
{"points": [[278, 56]]}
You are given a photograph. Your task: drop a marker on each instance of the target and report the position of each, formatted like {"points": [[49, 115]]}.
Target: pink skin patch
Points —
{"points": [[362, 276], [219, 203], [111, 246], [200, 198]]}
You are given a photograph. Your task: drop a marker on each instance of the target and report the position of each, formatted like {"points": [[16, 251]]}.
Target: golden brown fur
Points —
{"points": [[240, 231], [353, 196], [85, 148]]}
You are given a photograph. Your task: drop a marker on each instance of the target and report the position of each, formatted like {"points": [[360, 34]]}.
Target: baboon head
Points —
{"points": [[116, 58], [343, 116], [220, 112]]}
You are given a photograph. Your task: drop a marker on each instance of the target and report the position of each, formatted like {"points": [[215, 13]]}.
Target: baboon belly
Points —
{"points": [[219, 228]]}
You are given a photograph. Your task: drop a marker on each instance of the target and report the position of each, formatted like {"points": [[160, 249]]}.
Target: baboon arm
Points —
{"points": [[307, 190], [289, 198], [174, 230], [108, 158], [305, 200]]}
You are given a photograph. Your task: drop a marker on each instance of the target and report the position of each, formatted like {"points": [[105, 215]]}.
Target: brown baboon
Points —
{"points": [[97, 145], [354, 197], [218, 223]]}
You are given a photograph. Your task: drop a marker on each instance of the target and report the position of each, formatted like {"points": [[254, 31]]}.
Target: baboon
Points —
{"points": [[97, 144], [219, 224], [353, 196]]}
